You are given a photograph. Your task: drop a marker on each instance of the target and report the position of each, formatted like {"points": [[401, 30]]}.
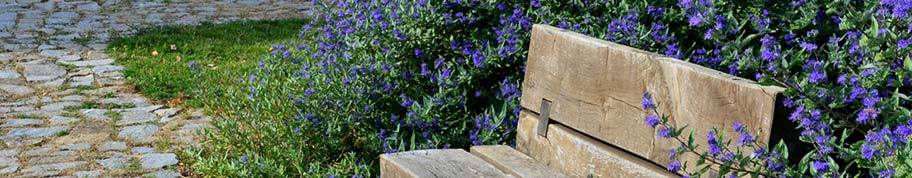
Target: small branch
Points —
{"points": [[714, 160]]}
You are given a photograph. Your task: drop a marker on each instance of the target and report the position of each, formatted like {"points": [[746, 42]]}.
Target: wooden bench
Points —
{"points": [[582, 116]]}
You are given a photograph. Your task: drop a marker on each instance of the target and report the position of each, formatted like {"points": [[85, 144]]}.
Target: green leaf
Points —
{"points": [[867, 66], [833, 165], [875, 26], [690, 140], [907, 64], [782, 148], [412, 144], [803, 165], [845, 134]]}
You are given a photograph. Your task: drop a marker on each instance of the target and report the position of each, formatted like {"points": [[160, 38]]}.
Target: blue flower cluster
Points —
{"points": [[732, 160], [379, 76]]}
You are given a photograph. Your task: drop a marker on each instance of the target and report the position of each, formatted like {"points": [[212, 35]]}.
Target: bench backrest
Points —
{"points": [[595, 87]]}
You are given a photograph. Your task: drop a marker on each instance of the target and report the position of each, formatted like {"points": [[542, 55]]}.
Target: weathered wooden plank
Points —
{"points": [[436, 163], [513, 162], [596, 86], [577, 155]]}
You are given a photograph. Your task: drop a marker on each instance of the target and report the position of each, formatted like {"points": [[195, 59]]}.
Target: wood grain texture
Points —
{"points": [[514, 162], [577, 155], [596, 86], [436, 163]]}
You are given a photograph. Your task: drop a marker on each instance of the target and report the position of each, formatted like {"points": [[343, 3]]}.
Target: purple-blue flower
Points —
{"points": [[867, 114], [745, 139], [904, 43], [424, 70], [868, 151], [694, 20], [738, 126], [664, 132], [652, 120], [672, 153], [808, 46], [647, 101], [419, 53], [887, 173], [674, 166], [478, 59], [821, 166], [714, 148]]}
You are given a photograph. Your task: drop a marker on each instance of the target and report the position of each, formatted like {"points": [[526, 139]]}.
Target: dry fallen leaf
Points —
{"points": [[178, 100], [173, 47], [178, 58], [154, 53]]}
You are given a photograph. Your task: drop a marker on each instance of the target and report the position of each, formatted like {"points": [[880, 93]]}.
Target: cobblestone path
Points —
{"points": [[65, 109]]}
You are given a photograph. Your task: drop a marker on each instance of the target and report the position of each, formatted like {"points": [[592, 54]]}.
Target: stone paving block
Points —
{"points": [[50, 84], [106, 68], [77, 146], [95, 114], [73, 98], [112, 163], [107, 146], [11, 166], [90, 63], [16, 89], [8, 74], [45, 151], [69, 58], [88, 174], [53, 53], [54, 167], [21, 122], [142, 150], [40, 174], [163, 174], [138, 133], [60, 105], [158, 160], [43, 72], [49, 159], [9, 152], [60, 120], [136, 117], [36, 132], [89, 6], [167, 112], [87, 80]]}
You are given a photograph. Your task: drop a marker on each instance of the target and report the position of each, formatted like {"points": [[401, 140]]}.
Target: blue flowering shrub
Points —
{"points": [[374, 77]]}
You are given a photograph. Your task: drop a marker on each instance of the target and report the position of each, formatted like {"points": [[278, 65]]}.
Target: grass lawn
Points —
{"points": [[156, 59]]}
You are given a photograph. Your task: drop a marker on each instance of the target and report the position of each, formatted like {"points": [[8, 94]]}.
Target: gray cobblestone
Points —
{"points": [[51, 61]]}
